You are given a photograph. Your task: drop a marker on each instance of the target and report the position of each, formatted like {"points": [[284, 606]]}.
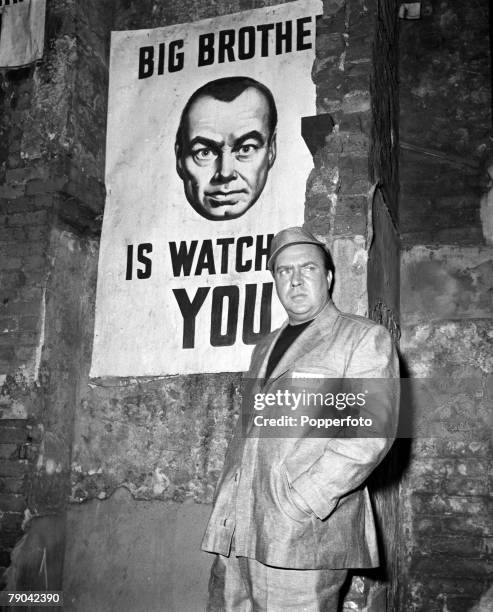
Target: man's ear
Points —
{"points": [[272, 149], [179, 163]]}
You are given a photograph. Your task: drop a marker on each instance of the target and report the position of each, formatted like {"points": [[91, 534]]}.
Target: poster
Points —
{"points": [[22, 25], [199, 176]]}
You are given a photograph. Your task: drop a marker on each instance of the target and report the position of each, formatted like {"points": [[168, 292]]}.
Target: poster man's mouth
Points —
{"points": [[221, 198]]}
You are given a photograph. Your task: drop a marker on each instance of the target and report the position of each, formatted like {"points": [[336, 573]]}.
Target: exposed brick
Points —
{"points": [[11, 521], [459, 604], [7, 353], [20, 308], [35, 285], [427, 503], [38, 186], [21, 249], [28, 323], [17, 205], [12, 485], [27, 173], [19, 338], [24, 353], [463, 485], [351, 215], [356, 101], [12, 435], [13, 468], [12, 503], [11, 263], [455, 524], [29, 452], [36, 262], [8, 324], [471, 546], [329, 42], [9, 191], [9, 451], [428, 447], [450, 567], [14, 161], [467, 466], [355, 172], [35, 233], [12, 234], [16, 423], [469, 587], [24, 101], [11, 281], [28, 218]]}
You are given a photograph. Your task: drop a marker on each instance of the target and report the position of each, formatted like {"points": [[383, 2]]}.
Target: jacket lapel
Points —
{"points": [[306, 341], [259, 368]]}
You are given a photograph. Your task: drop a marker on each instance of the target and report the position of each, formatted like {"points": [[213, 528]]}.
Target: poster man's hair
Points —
{"points": [[228, 89]]}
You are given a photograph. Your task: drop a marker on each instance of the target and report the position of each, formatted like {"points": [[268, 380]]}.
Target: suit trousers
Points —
{"points": [[240, 584]]}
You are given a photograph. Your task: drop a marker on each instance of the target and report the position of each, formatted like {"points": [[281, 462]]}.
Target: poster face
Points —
{"points": [[22, 26], [205, 162]]}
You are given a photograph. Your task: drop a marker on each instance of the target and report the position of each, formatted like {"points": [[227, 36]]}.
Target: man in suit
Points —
{"points": [[291, 514]]}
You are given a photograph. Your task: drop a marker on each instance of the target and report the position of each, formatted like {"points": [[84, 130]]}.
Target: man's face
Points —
{"points": [[302, 282], [226, 154]]}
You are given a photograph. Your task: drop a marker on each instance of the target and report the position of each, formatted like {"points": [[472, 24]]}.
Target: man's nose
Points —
{"points": [[296, 278], [226, 166]]}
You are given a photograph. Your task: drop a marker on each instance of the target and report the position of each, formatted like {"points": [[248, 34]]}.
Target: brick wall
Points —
{"points": [[445, 116], [446, 506], [445, 98], [23, 244], [51, 169]]}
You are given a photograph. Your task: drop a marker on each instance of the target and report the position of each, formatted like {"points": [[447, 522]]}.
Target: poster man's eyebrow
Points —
{"points": [[252, 134], [208, 142]]}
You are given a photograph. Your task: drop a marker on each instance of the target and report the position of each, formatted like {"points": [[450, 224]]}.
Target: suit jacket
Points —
{"points": [[254, 496]]}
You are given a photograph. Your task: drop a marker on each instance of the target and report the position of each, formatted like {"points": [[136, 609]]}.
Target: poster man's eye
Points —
{"points": [[247, 150], [204, 154]]}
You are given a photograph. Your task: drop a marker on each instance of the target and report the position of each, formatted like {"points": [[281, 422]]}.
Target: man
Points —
{"points": [[226, 145], [291, 515]]}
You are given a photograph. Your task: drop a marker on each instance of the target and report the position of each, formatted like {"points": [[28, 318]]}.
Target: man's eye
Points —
{"points": [[247, 149], [204, 154]]}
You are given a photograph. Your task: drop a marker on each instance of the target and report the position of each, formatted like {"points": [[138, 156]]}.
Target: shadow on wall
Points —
{"points": [[384, 486]]}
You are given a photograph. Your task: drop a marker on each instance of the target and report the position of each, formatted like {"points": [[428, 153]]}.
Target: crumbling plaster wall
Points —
{"points": [[446, 298]]}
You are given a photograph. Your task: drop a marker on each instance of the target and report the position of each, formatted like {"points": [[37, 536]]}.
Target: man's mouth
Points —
{"points": [[219, 198]]}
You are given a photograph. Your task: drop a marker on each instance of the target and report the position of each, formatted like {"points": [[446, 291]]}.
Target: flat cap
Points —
{"points": [[289, 236]]}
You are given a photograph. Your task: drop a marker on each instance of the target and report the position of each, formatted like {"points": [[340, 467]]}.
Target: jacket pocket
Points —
{"points": [[286, 503], [313, 371]]}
